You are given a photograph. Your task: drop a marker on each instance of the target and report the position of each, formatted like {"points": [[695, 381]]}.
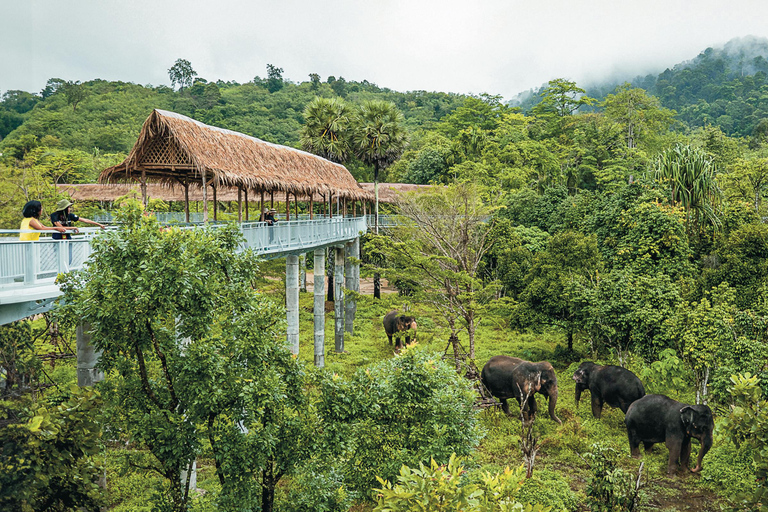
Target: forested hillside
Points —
{"points": [[723, 86]]}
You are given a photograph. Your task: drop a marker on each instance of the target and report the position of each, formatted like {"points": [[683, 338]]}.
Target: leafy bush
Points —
{"points": [[317, 488], [610, 489], [403, 410], [437, 487]]}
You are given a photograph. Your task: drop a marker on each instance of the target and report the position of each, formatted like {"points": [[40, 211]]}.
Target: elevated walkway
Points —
{"points": [[28, 270]]}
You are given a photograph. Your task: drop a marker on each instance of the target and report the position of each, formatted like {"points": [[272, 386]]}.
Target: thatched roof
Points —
{"points": [[388, 192], [173, 149]]}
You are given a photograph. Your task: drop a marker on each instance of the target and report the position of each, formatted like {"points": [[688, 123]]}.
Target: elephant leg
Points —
{"points": [[398, 344], [597, 407], [648, 447], [685, 454], [533, 408], [390, 338], [634, 444], [674, 446], [505, 407], [407, 340]]}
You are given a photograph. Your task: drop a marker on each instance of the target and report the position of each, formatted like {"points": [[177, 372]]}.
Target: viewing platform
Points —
{"points": [[28, 270]]}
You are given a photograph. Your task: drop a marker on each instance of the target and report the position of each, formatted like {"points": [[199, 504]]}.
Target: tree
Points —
{"points": [[749, 179], [314, 79], [339, 86], [559, 100], [182, 73], [379, 138], [641, 115], [326, 129], [274, 78], [440, 247], [689, 177], [75, 92], [546, 296], [193, 354]]}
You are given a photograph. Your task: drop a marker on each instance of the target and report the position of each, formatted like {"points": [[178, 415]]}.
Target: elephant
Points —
{"points": [[612, 385], [512, 377], [395, 323], [658, 418]]}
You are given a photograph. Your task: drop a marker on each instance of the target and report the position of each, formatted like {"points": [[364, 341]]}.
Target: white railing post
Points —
{"points": [[32, 263], [62, 256]]}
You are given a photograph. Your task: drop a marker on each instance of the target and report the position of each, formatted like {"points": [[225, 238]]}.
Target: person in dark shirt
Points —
{"points": [[63, 218], [269, 217]]}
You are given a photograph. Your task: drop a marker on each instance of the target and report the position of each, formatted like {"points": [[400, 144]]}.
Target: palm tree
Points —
{"points": [[689, 175], [379, 138], [326, 129]]}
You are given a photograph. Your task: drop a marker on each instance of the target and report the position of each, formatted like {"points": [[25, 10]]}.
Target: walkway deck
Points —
{"points": [[28, 270]]}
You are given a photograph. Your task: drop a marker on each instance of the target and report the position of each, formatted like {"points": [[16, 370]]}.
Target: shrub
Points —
{"points": [[403, 410], [437, 488]]}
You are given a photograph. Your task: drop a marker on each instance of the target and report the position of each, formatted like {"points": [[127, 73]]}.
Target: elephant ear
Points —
{"points": [[687, 415]]}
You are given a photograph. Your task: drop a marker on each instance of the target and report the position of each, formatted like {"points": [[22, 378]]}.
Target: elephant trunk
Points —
{"points": [[706, 444], [578, 395], [552, 404]]}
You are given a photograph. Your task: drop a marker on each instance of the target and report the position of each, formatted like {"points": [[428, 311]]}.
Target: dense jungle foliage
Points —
{"points": [[624, 228]]}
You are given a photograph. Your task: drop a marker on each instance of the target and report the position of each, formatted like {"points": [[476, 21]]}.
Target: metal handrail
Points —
{"points": [[26, 264]]}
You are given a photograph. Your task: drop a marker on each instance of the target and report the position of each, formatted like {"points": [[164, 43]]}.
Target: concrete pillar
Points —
{"points": [[192, 477], [352, 278], [87, 357], [338, 297], [292, 301], [302, 271], [319, 307]]}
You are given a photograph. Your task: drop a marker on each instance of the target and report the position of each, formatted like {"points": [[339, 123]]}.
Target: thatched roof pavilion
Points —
{"points": [[173, 149]]}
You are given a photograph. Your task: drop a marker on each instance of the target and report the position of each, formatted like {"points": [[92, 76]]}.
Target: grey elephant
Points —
{"points": [[511, 377], [659, 419], [395, 323], [612, 385]]}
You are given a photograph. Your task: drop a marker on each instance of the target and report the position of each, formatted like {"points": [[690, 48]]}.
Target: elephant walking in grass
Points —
{"points": [[612, 385], [659, 419], [511, 377]]}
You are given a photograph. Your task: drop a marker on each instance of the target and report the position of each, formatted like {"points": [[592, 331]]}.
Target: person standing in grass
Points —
{"points": [[31, 213], [62, 217]]}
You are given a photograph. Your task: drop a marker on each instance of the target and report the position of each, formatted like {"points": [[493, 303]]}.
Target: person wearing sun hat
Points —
{"points": [[63, 218]]}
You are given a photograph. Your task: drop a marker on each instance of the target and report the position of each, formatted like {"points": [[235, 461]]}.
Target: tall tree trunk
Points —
{"points": [[268, 483]]}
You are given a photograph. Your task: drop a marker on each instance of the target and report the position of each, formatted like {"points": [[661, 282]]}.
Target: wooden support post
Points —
{"points": [[186, 201], [338, 298], [344, 202], [296, 208], [287, 206], [271, 198], [246, 205], [319, 307], [292, 301], [330, 205], [205, 197], [215, 201], [239, 204], [311, 206], [354, 208], [261, 213], [144, 197], [352, 280]]}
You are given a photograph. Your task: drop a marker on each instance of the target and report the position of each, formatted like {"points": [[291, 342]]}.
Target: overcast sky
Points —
{"points": [[481, 46]]}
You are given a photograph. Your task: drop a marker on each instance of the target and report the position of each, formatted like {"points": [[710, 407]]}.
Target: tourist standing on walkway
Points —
{"points": [[63, 218], [31, 212]]}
